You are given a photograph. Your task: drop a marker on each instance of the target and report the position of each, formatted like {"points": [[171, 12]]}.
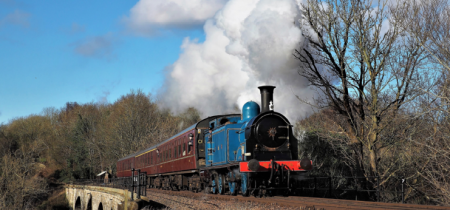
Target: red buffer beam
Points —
{"points": [[265, 166]]}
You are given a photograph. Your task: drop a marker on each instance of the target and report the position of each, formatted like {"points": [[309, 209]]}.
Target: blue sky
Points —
{"points": [[53, 52]]}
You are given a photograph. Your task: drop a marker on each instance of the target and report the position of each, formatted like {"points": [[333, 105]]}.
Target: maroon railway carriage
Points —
{"points": [[171, 163]]}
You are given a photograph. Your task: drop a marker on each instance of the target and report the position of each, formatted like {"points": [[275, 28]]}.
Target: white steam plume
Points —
{"points": [[248, 43]]}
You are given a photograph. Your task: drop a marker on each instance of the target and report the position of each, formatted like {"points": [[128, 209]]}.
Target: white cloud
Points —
{"points": [[149, 15], [8, 2], [17, 17], [97, 46], [76, 28], [248, 44]]}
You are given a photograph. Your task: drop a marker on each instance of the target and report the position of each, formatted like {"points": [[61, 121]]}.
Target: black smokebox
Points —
{"points": [[266, 98]]}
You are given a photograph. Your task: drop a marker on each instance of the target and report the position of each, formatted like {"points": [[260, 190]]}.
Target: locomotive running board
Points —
{"points": [[218, 166]]}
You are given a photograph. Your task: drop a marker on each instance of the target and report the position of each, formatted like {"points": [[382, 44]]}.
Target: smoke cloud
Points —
{"points": [[248, 44]]}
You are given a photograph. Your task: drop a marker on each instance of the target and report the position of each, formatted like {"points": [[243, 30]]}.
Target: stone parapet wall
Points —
{"points": [[83, 196]]}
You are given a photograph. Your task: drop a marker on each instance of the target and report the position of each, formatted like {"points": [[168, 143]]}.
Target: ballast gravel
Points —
{"points": [[204, 202]]}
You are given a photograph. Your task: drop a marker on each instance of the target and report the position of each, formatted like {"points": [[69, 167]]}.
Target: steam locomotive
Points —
{"points": [[254, 153]]}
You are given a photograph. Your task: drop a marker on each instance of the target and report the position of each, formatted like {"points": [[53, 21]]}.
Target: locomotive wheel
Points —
{"points": [[215, 182], [214, 186], [233, 188], [221, 184], [245, 183]]}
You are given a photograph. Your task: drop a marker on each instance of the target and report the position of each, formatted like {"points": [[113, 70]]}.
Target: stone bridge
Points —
{"points": [[82, 197]]}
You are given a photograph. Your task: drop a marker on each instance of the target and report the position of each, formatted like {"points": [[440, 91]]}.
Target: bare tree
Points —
{"points": [[358, 55], [20, 185], [428, 22]]}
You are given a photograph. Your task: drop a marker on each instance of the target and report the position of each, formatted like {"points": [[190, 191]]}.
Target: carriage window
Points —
{"points": [[190, 142], [170, 153], [184, 146], [189, 147], [175, 152]]}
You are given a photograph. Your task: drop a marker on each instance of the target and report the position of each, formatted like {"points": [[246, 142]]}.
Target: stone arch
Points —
{"points": [[78, 205], [89, 204], [100, 206]]}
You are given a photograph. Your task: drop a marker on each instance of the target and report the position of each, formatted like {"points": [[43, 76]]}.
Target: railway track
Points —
{"points": [[306, 203]]}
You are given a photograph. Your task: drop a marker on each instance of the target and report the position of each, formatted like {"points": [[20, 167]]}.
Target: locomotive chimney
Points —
{"points": [[266, 98]]}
